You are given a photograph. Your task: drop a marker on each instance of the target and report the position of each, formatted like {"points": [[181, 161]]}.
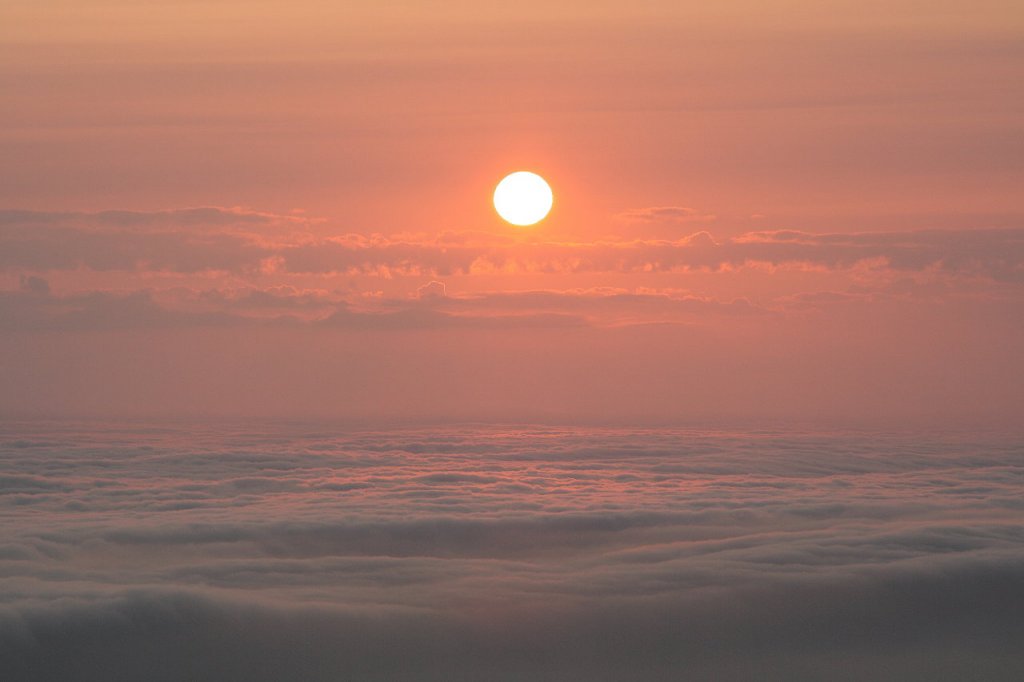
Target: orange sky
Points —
{"points": [[794, 209]]}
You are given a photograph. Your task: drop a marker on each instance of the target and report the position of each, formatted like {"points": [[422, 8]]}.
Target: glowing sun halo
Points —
{"points": [[523, 198]]}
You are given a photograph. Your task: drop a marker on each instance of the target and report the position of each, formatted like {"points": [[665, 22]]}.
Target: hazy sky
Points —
{"points": [[794, 209]]}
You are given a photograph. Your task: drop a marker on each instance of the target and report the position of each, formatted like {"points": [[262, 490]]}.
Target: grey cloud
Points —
{"points": [[24, 311], [619, 304], [34, 285], [431, 290], [205, 216], [178, 240], [312, 550], [998, 254], [414, 317], [68, 248], [41, 242], [29, 311], [32, 308], [673, 214], [962, 624]]}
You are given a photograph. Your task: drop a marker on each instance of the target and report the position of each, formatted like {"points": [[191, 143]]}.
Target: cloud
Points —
{"points": [[229, 240], [668, 214], [205, 217], [33, 284], [68, 248], [431, 290], [417, 317], [885, 629], [602, 306], [33, 308], [994, 253], [177, 240], [36, 311], [462, 553]]}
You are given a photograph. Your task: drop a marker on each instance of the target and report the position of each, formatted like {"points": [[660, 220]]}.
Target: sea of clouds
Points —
{"points": [[316, 552]]}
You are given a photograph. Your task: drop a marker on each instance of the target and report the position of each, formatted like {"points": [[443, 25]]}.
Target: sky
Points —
{"points": [[787, 210], [282, 397]]}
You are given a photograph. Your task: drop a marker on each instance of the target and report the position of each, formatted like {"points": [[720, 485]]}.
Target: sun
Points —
{"points": [[523, 198]]}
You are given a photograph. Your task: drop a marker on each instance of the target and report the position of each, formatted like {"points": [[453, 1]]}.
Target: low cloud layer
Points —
{"points": [[305, 551]]}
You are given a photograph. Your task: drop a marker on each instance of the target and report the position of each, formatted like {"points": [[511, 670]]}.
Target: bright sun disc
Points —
{"points": [[523, 198]]}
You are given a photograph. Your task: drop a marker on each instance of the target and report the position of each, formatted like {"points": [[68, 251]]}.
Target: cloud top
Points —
{"points": [[461, 553]]}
